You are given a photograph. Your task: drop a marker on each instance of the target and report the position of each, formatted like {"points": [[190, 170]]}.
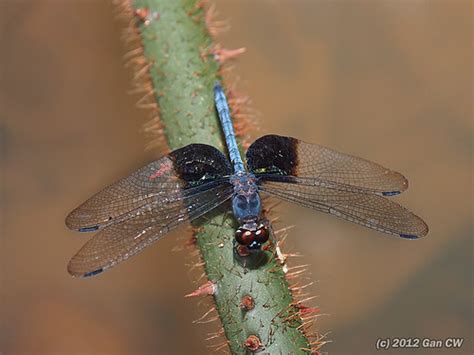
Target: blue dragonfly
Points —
{"points": [[139, 209]]}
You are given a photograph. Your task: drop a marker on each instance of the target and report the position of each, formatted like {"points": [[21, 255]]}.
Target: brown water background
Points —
{"points": [[387, 80]]}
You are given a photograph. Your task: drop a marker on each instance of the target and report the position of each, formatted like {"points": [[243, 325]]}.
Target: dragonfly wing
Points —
{"points": [[167, 179], [311, 163], [117, 242], [367, 209]]}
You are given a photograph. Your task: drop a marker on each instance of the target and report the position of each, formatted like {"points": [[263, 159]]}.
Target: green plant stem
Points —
{"points": [[182, 78]]}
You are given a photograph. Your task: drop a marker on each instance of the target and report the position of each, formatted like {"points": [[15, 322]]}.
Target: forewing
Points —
{"points": [[157, 183], [367, 209], [117, 242], [272, 156]]}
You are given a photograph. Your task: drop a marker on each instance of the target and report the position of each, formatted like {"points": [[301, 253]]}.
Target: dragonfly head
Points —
{"points": [[252, 234]]}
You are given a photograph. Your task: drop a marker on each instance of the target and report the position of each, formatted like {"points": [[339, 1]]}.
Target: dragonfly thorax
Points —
{"points": [[246, 203], [247, 208]]}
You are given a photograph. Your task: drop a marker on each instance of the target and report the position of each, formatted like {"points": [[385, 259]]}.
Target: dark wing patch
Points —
{"points": [[367, 209], [271, 156], [198, 163], [117, 242], [157, 183]]}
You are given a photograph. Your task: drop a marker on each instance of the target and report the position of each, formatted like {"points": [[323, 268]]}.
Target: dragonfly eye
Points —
{"points": [[261, 235], [244, 237]]}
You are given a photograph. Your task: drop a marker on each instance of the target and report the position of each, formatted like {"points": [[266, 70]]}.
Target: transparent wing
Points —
{"points": [[367, 209], [117, 242], [272, 156], [172, 177]]}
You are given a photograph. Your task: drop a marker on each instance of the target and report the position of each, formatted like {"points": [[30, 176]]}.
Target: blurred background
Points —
{"points": [[387, 80]]}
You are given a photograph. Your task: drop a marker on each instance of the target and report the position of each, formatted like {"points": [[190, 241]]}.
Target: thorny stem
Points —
{"points": [[178, 56]]}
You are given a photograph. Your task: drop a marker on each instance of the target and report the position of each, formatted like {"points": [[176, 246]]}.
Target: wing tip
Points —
{"points": [[86, 229], [74, 222], [74, 273], [409, 236], [404, 183], [391, 193], [93, 273], [75, 268], [401, 185], [424, 231], [89, 229], [68, 221]]}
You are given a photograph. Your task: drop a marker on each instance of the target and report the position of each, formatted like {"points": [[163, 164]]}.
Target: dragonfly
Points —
{"points": [[138, 210]]}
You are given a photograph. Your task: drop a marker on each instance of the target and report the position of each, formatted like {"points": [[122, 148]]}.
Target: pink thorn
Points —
{"points": [[209, 288], [305, 310], [191, 241], [222, 55], [309, 310]]}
